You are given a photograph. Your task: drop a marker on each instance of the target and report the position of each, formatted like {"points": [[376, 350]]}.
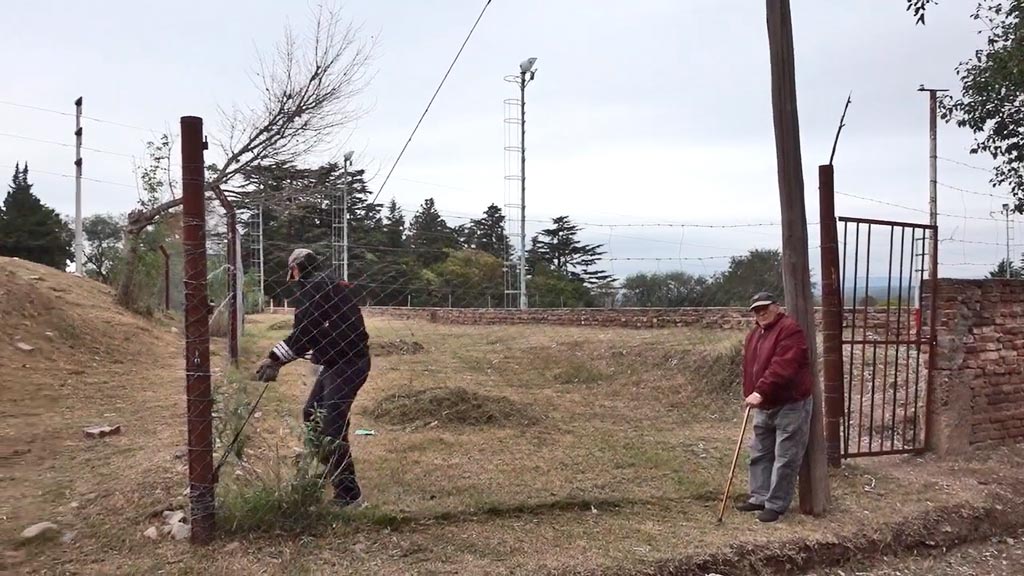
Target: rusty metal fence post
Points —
{"points": [[831, 317], [167, 278], [199, 397], [233, 263]]}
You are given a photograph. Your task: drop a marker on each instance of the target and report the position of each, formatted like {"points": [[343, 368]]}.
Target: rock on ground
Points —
{"points": [[180, 531], [36, 530]]}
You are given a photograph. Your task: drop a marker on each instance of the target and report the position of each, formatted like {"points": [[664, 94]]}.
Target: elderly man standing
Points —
{"points": [[777, 384]]}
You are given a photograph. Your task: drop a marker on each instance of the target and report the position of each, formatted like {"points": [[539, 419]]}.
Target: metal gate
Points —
{"points": [[888, 271]]}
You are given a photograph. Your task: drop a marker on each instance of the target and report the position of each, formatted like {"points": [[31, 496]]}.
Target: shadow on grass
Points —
{"points": [[266, 512]]}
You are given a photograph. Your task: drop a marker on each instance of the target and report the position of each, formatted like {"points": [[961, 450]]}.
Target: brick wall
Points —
{"points": [[979, 365]]}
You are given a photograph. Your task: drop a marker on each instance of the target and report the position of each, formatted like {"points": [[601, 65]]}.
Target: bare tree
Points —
{"points": [[308, 89]]}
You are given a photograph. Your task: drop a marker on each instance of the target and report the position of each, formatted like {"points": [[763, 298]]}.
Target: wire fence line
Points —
{"points": [[273, 453]]}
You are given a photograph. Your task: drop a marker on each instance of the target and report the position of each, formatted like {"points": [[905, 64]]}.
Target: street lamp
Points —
{"points": [[526, 75]]}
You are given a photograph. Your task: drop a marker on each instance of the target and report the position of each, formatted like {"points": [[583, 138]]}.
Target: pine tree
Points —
{"points": [[559, 248], [31, 230], [430, 236], [1007, 269], [488, 235], [394, 226]]}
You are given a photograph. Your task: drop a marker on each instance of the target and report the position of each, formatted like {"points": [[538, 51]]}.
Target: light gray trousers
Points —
{"points": [[780, 440]]}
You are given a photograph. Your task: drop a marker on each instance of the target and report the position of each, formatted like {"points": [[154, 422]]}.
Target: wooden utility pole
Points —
{"points": [[933, 154], [79, 236], [796, 271]]}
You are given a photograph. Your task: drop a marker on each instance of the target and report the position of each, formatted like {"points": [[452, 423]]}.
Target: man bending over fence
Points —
{"points": [[329, 326]]}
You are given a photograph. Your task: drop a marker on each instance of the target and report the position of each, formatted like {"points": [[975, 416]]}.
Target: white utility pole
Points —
{"points": [[526, 75]]}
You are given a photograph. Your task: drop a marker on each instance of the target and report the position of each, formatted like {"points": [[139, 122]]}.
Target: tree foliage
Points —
{"points": [[918, 8], [430, 237], [487, 234], [666, 290], [559, 249], [1007, 269], [425, 262], [29, 229], [758, 270], [103, 235], [991, 99]]}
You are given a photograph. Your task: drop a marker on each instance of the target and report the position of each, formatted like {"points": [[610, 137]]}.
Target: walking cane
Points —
{"points": [[735, 457]]}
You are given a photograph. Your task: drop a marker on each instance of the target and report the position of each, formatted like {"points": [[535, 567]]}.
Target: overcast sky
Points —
{"points": [[654, 111]]}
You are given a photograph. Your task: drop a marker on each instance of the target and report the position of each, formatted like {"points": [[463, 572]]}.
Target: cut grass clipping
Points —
{"points": [[397, 347], [452, 405]]}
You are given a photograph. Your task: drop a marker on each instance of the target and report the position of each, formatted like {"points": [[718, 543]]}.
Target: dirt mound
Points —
{"points": [[397, 347], [452, 405], [54, 317], [72, 359]]}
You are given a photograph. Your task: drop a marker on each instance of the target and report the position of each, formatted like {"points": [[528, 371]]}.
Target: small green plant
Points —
{"points": [[282, 498]]}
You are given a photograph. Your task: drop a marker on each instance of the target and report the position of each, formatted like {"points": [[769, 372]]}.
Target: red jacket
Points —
{"points": [[775, 363]]}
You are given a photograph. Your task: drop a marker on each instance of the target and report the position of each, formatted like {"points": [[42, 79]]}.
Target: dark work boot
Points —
{"points": [[768, 515]]}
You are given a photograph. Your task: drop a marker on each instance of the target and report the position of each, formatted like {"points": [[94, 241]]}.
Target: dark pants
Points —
{"points": [[327, 411]]}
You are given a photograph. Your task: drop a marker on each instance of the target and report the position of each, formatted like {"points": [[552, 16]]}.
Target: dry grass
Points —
{"points": [[620, 467]]}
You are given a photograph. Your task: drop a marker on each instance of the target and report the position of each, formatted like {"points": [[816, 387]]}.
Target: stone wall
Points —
{"points": [[979, 365], [875, 319]]}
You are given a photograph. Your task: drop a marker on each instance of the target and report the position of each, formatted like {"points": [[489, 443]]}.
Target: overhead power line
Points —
{"points": [[65, 145], [96, 180], [427, 109], [91, 118]]}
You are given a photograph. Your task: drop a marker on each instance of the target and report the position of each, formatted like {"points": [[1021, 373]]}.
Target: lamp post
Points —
{"points": [[526, 75]]}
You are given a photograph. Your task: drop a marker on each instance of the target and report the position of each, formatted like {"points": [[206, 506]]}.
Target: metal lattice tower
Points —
{"points": [[256, 235], [515, 186], [337, 232], [339, 224], [513, 182]]}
